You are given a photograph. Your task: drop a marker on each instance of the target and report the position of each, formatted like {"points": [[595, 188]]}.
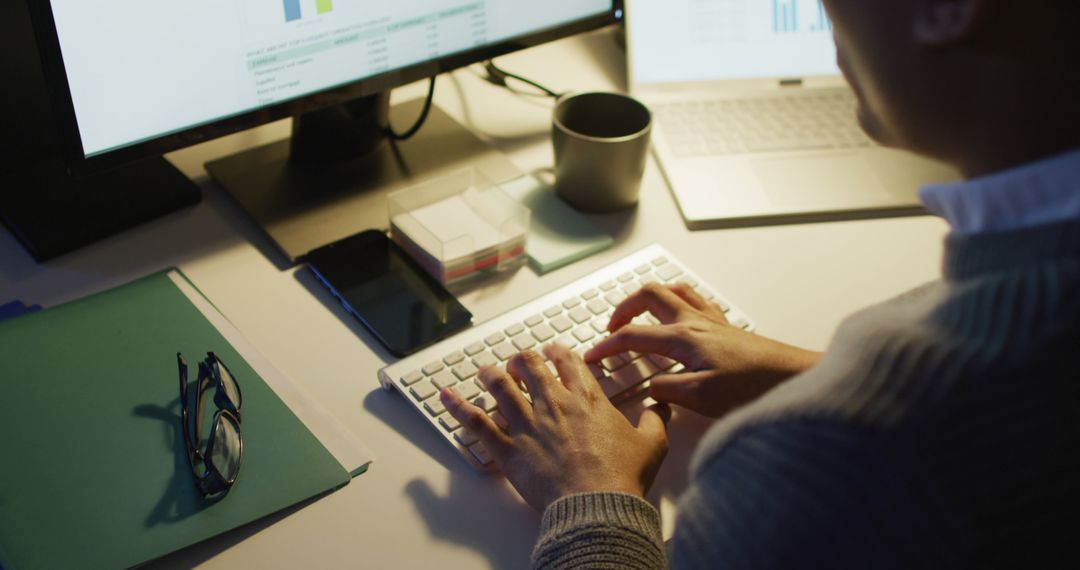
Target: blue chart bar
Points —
{"points": [[785, 16], [823, 23], [292, 10]]}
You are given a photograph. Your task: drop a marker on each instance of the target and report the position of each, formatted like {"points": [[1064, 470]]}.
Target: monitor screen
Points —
{"points": [[698, 40], [139, 70]]}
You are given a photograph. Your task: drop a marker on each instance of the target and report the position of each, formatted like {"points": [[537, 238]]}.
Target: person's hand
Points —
{"points": [[725, 366], [570, 439]]}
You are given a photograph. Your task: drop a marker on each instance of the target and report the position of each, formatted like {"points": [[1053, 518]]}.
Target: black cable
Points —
{"points": [[395, 136], [498, 76]]}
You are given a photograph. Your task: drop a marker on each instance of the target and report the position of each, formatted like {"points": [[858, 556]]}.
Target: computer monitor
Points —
{"points": [[129, 80]]}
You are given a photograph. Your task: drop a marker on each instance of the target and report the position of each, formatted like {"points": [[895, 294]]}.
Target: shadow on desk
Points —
{"points": [[480, 512]]}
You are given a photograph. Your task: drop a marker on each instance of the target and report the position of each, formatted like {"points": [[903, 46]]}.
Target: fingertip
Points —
{"points": [[449, 396]]}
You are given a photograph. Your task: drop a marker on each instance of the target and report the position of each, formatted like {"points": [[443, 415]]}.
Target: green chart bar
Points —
{"points": [[324, 6]]}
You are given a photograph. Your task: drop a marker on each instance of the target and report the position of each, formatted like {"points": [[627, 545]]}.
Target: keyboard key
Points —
{"points": [[615, 297], [662, 362], [411, 378], [543, 333], [634, 373], [553, 311], [741, 323], [704, 293], [597, 306], [631, 288], [453, 358], [493, 339], [432, 368], [484, 359], [423, 390], [480, 453], [571, 303], [504, 351], [474, 348], [643, 268], [688, 280], [534, 320], [467, 390], [580, 315], [466, 437], [659, 261], [590, 294], [465, 370], [444, 379], [607, 285], [668, 272], [561, 323], [434, 406], [626, 278], [485, 402], [600, 325], [449, 423], [514, 329], [500, 420], [584, 334], [523, 342], [613, 363], [566, 341]]}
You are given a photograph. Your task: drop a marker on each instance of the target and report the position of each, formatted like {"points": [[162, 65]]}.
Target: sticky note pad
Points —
{"points": [[558, 234]]}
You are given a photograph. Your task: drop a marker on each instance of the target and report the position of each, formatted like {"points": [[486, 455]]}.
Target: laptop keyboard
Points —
{"points": [[575, 316], [814, 119]]}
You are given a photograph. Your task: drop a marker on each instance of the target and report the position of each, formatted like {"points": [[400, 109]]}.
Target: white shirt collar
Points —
{"points": [[1039, 193]]}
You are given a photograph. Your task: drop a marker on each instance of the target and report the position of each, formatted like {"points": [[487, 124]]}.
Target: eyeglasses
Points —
{"points": [[215, 467]]}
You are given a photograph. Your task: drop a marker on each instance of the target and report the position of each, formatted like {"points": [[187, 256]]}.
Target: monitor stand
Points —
{"points": [[327, 183]]}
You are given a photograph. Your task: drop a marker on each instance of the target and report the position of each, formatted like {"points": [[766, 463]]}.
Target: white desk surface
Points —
{"points": [[420, 506]]}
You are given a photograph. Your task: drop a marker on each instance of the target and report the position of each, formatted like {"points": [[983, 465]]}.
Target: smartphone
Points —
{"points": [[401, 304]]}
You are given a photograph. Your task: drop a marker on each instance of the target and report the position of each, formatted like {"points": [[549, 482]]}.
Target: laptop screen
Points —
{"points": [[701, 40]]}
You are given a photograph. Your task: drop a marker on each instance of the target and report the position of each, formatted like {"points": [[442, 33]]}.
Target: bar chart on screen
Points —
{"points": [[293, 11], [799, 16]]}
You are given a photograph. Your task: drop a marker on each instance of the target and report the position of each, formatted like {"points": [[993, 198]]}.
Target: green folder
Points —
{"points": [[94, 472]]}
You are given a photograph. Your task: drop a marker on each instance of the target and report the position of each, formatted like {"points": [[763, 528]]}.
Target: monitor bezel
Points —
{"points": [[67, 125]]}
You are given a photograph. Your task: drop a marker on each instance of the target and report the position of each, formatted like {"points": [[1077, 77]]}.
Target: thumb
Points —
{"points": [[653, 422], [683, 389]]}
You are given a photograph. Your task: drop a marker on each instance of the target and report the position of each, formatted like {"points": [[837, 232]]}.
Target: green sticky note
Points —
{"points": [[558, 234]]}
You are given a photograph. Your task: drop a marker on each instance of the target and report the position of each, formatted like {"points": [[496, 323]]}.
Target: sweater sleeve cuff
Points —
{"points": [[601, 527]]}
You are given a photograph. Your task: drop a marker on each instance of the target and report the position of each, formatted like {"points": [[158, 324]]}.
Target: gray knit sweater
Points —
{"points": [[940, 429]]}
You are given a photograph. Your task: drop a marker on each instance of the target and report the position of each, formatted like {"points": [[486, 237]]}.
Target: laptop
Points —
{"points": [[754, 123]]}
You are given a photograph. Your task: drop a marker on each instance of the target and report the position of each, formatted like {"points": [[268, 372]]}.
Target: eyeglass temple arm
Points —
{"points": [[192, 452]]}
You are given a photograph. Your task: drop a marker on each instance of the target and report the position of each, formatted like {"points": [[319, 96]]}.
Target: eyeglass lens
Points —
{"points": [[226, 447], [228, 383]]}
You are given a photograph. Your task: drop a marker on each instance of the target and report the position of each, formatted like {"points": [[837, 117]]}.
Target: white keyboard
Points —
{"points": [[575, 316], [821, 119]]}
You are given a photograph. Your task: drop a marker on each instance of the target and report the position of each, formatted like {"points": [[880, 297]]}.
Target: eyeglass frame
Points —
{"points": [[211, 481]]}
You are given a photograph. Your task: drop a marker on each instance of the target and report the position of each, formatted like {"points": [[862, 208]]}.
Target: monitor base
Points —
{"points": [[306, 204], [52, 213]]}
